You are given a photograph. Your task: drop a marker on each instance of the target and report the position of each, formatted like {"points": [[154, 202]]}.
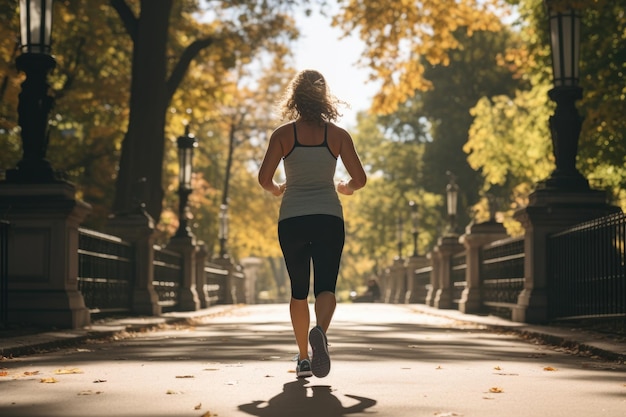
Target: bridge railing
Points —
{"points": [[586, 273], [107, 269], [587, 270], [105, 272], [502, 275]]}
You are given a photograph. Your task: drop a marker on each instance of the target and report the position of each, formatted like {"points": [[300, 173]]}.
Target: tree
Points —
{"points": [[243, 27], [400, 37], [473, 72]]}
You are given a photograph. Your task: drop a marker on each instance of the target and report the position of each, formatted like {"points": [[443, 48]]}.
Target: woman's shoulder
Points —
{"points": [[337, 131]]}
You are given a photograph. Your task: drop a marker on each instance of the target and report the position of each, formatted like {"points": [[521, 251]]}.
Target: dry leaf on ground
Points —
{"points": [[68, 371]]}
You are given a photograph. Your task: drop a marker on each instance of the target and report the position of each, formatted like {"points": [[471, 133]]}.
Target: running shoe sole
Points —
{"points": [[320, 362]]}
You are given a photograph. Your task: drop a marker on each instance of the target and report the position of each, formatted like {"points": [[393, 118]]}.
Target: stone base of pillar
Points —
{"points": [[138, 228], [443, 299], [43, 254], [188, 299], [532, 307], [230, 293]]}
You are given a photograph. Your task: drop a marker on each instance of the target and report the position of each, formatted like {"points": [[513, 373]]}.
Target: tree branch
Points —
{"points": [[183, 64], [129, 20]]}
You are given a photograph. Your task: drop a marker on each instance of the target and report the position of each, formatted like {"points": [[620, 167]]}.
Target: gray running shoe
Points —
{"points": [[320, 362], [303, 369]]}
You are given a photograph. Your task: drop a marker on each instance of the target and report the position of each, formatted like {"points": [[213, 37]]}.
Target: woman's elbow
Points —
{"points": [[359, 181]]}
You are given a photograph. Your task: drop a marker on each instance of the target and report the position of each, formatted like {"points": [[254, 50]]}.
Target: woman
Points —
{"points": [[310, 223]]}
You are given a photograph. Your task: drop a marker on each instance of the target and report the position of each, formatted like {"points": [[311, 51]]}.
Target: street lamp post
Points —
{"points": [[452, 193], [565, 124], [399, 233], [414, 225], [186, 145], [35, 102]]}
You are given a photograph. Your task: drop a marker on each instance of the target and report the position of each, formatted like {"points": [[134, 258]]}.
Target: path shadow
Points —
{"points": [[300, 400]]}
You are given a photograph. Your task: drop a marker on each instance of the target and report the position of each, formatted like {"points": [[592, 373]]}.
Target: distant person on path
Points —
{"points": [[310, 222]]}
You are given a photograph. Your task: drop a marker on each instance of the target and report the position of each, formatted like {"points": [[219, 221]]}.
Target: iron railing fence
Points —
{"points": [[214, 286], [105, 272], [502, 275], [167, 277], [458, 268], [587, 275], [4, 271]]}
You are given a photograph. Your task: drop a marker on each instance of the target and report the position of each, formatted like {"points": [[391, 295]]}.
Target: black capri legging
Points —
{"points": [[317, 237]]}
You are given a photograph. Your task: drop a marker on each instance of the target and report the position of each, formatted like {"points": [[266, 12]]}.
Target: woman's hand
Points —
{"points": [[279, 189], [344, 188]]}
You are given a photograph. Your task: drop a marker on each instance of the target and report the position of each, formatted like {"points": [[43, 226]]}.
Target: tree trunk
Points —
{"points": [[144, 143]]}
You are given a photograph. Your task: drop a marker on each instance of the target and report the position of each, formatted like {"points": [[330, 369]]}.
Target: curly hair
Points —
{"points": [[309, 97]]}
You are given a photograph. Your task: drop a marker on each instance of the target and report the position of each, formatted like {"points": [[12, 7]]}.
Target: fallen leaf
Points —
{"points": [[4, 373], [171, 392], [496, 390], [48, 380], [549, 368], [197, 407], [208, 414], [97, 381], [68, 371], [497, 368], [89, 392], [185, 376], [29, 373]]}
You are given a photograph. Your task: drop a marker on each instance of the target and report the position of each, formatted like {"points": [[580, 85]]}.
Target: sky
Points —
{"points": [[321, 49]]}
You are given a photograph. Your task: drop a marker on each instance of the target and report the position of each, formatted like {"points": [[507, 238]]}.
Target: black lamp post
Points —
{"points": [[35, 102], [565, 124], [399, 233], [452, 195], [414, 225], [186, 145]]}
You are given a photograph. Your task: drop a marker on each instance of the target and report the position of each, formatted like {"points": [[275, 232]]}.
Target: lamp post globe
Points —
{"points": [[452, 195]]}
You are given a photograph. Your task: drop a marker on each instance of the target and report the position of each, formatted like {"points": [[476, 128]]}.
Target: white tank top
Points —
{"points": [[310, 187]]}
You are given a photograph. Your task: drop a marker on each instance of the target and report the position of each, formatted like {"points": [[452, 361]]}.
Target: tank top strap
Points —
{"points": [[295, 135]]}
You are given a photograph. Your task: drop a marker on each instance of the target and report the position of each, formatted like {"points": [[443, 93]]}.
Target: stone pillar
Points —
{"points": [[43, 253], [434, 279], [548, 212], [387, 286], [475, 237], [446, 247], [138, 229], [201, 281], [251, 266], [187, 293], [414, 292], [398, 276], [230, 292]]}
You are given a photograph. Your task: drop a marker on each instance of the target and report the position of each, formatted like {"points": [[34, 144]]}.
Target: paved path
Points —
{"points": [[388, 361]]}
